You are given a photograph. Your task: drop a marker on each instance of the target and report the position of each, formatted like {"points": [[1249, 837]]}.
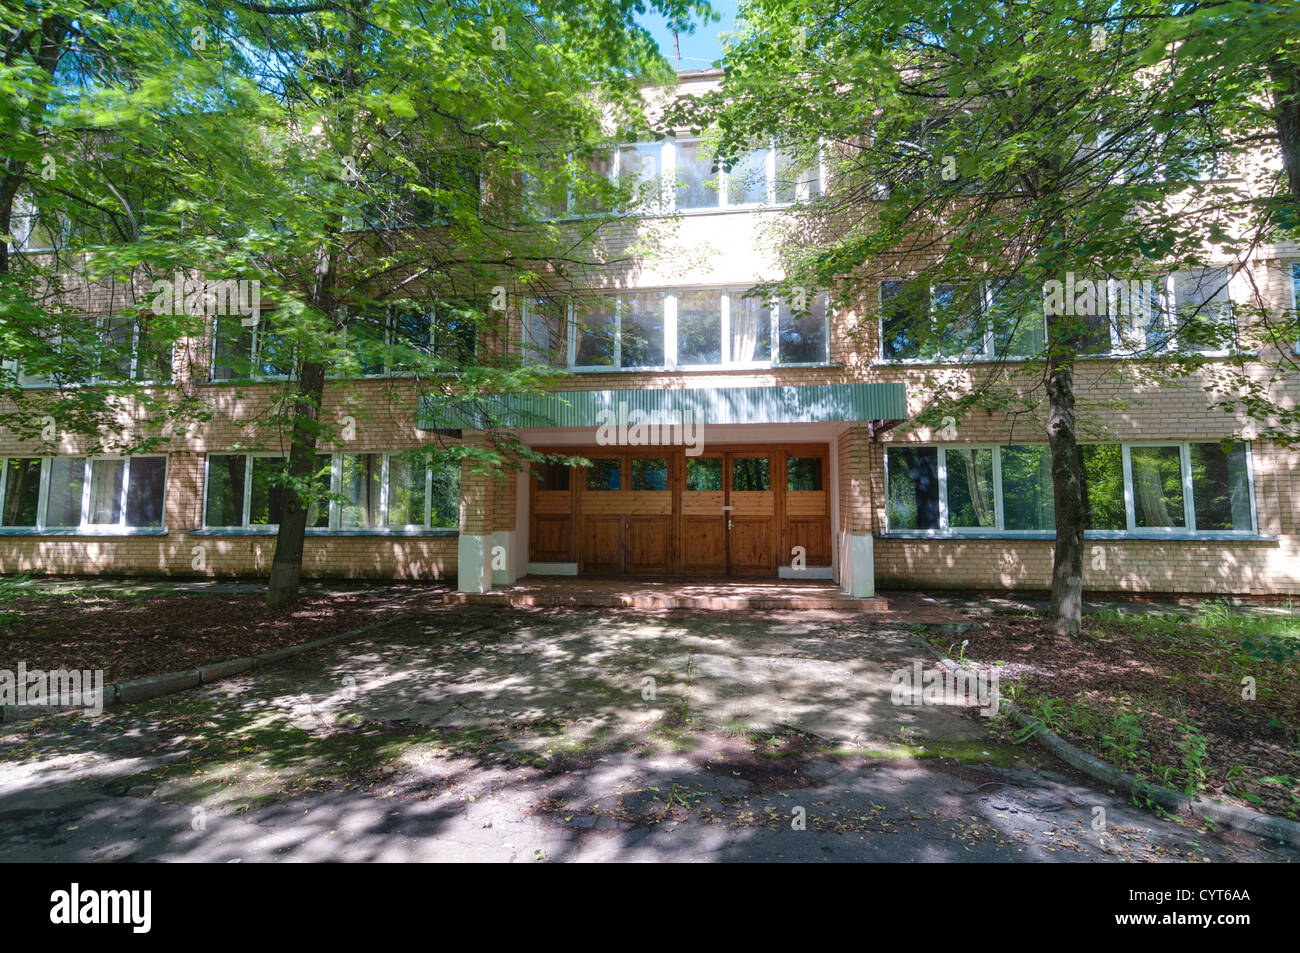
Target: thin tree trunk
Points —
{"points": [[286, 565], [1066, 610]]}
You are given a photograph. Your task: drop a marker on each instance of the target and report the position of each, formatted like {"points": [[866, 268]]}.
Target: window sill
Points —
{"points": [[320, 531], [1111, 535], [83, 531], [693, 368]]}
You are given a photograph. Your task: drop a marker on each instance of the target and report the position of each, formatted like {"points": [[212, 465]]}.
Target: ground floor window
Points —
{"points": [[1144, 489], [88, 494], [348, 492]]}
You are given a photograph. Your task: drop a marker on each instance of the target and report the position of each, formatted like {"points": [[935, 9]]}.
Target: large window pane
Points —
{"points": [[751, 329], [1016, 317], [751, 474], [266, 503], [649, 473], [145, 487], [1103, 486], [957, 310], [643, 329], [802, 333], [455, 332], [639, 171], [106, 492], [67, 479], [697, 181], [605, 474], [699, 327], [22, 489], [913, 494], [552, 477], [1157, 487], [596, 329], [232, 349], [703, 474], [1220, 487], [406, 491], [747, 179], [544, 332], [803, 473], [360, 486], [1027, 499], [225, 503], [798, 177], [444, 502], [118, 343], [970, 488], [904, 316]]}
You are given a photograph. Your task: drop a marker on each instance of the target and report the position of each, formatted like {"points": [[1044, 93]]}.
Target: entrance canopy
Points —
{"points": [[804, 403]]}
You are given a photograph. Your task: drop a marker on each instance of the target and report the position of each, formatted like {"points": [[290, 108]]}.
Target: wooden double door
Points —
{"points": [[738, 511]]}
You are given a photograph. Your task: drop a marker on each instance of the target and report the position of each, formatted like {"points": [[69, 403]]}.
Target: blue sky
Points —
{"points": [[702, 47]]}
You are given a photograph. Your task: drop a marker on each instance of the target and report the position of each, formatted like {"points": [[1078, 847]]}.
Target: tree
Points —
{"points": [[979, 152]]}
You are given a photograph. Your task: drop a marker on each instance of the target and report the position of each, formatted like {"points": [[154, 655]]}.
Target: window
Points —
{"points": [[240, 352], [545, 337], [703, 474], [373, 492], [912, 494], [605, 474], [1203, 309], [803, 473], [1157, 480], [798, 177], [640, 171], [699, 328], [454, 332], [680, 175], [745, 183], [970, 320], [90, 495], [64, 499], [970, 493], [698, 184], [751, 474], [20, 491], [552, 477], [129, 352], [802, 334], [1139, 489], [1028, 500], [649, 473], [1295, 300]]}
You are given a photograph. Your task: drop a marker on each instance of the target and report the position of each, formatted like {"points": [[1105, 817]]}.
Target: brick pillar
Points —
{"points": [[474, 547], [507, 566]]}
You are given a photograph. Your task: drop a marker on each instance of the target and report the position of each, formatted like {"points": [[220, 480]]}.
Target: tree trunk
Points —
{"points": [[1286, 102], [1066, 611], [286, 565]]}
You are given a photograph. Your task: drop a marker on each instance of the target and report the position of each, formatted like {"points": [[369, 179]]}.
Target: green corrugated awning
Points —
{"points": [[790, 404]]}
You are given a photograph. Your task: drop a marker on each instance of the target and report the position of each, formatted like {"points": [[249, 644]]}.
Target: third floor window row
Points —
{"points": [[683, 175]]}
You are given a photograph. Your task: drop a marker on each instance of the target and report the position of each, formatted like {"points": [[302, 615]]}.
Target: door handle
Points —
{"points": [[728, 524]]}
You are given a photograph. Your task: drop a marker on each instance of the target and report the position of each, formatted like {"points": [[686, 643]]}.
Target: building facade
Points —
{"points": [[726, 435]]}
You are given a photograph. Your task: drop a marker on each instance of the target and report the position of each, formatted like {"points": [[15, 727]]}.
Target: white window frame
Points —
{"points": [[671, 349], [334, 525], [83, 527], [255, 357], [1188, 531]]}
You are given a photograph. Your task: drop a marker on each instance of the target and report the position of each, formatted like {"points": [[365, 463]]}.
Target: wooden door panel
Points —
{"points": [[704, 544], [552, 538], [752, 546], [814, 536], [649, 544], [602, 544]]}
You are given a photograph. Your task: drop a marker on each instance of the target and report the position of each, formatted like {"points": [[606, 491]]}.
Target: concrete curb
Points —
{"points": [[1227, 815], [154, 686]]}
